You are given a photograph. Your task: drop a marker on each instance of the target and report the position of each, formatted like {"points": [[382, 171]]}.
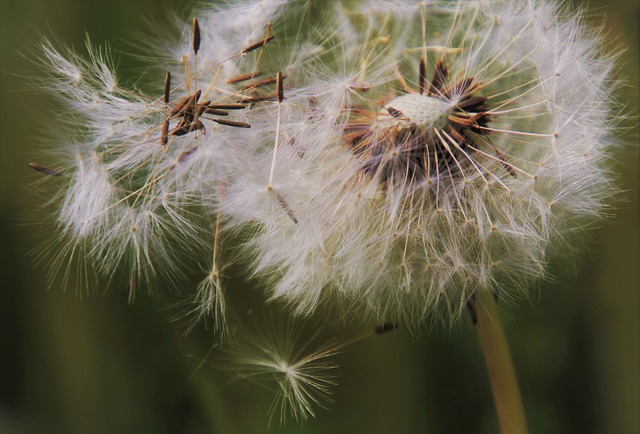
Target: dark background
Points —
{"points": [[71, 364]]}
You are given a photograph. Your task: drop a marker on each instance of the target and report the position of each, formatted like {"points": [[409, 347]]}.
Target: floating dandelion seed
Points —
{"points": [[278, 354]]}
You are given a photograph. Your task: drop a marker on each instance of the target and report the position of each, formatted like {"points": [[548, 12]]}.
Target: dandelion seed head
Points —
{"points": [[392, 157], [389, 160], [447, 152]]}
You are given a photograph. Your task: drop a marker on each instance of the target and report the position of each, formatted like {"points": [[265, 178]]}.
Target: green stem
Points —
{"points": [[502, 376]]}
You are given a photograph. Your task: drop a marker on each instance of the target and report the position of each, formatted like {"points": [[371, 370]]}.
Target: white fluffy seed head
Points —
{"points": [[408, 157], [390, 160]]}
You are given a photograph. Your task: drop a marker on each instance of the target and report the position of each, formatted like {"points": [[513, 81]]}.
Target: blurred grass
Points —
{"points": [[98, 365]]}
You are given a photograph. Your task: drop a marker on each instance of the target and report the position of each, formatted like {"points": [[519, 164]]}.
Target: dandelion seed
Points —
{"points": [[167, 87], [44, 170], [227, 106], [232, 123], [210, 300], [281, 353], [244, 77], [303, 377], [256, 45], [196, 36]]}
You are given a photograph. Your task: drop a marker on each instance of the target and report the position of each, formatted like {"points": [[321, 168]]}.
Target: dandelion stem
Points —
{"points": [[504, 384]]}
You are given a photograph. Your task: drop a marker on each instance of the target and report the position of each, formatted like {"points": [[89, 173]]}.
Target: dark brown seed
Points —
{"points": [[186, 126], [395, 112], [200, 108], [510, 170], [183, 127], [212, 111], [244, 77], [279, 86], [232, 123], [456, 135], [473, 103], [285, 206], [261, 83], [508, 167], [298, 148], [181, 130], [185, 121], [259, 98], [179, 106], [164, 139], [167, 87], [198, 125], [440, 75], [44, 170], [422, 75], [196, 36], [227, 106], [256, 45], [462, 121], [185, 104]]}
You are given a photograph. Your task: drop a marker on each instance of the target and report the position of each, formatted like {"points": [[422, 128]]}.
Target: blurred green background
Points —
{"points": [[78, 365]]}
